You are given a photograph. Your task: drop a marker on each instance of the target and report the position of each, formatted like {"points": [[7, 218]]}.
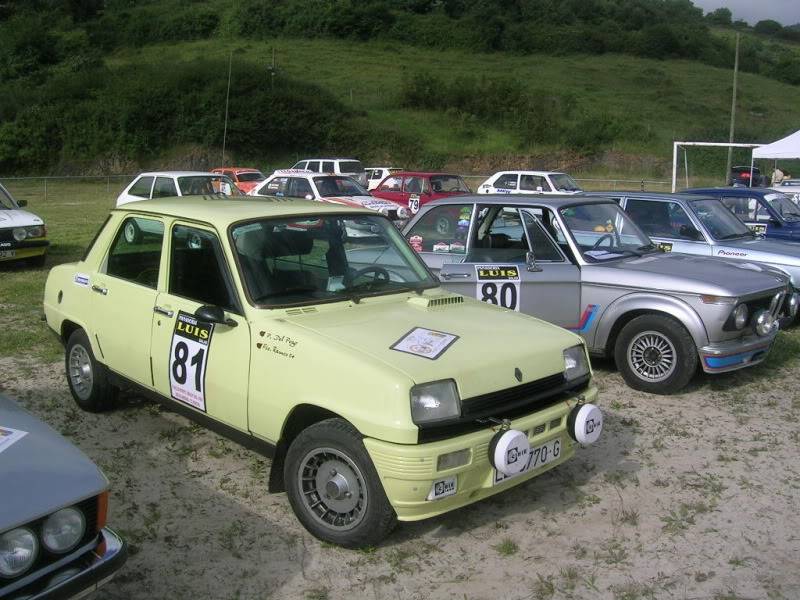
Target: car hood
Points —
{"points": [[491, 342], [41, 471], [18, 218], [764, 250], [685, 273]]}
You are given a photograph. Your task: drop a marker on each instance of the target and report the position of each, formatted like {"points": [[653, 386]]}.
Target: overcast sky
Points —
{"points": [[785, 12]]}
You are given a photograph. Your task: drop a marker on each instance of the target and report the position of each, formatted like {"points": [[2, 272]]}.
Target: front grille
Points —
{"points": [[89, 509], [509, 403], [6, 235]]}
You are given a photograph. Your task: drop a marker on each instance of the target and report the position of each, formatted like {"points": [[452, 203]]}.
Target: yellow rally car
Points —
{"points": [[380, 396]]}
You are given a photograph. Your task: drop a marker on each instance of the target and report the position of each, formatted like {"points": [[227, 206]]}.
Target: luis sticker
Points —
{"points": [[188, 357], [498, 285], [426, 343], [665, 246], [9, 437]]}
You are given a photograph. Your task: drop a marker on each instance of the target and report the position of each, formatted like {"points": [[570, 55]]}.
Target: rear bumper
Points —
{"points": [[82, 576], [409, 472], [735, 354]]}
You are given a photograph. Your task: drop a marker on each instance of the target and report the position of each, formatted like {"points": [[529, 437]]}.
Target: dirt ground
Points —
{"points": [[685, 497]]}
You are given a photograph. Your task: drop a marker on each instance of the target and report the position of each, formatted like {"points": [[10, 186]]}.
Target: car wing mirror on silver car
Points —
{"points": [[530, 263]]}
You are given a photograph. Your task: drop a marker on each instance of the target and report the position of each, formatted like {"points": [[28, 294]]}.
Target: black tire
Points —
{"points": [[335, 444], [87, 378], [131, 231], [655, 354]]}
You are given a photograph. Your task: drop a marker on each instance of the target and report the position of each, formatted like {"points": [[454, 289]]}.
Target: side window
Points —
{"points": [[197, 268], [275, 186], [299, 188], [661, 219], [164, 187], [328, 167], [313, 165], [442, 229], [142, 187], [532, 183], [375, 174], [507, 181], [135, 254], [500, 236], [543, 247], [413, 185], [301, 165], [393, 184]]}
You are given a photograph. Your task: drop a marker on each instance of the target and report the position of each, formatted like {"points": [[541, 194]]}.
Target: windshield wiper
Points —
{"points": [[733, 236], [647, 247], [288, 292]]}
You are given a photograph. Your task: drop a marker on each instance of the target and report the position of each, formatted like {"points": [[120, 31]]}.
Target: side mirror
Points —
{"points": [[689, 232], [530, 263], [214, 314], [22, 203]]}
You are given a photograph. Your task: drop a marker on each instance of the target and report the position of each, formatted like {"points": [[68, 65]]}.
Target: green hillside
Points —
{"points": [[98, 95]]}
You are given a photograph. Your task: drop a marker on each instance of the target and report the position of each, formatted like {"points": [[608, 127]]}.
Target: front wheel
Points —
{"points": [[655, 354], [333, 487], [87, 378]]}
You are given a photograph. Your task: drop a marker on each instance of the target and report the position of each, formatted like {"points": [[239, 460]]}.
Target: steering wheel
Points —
{"points": [[599, 241], [380, 274]]}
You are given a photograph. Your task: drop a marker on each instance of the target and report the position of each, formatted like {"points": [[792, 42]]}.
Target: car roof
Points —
{"points": [[328, 158], [549, 200], [237, 169], [523, 172], [732, 191], [177, 173], [295, 172], [423, 174], [223, 211]]}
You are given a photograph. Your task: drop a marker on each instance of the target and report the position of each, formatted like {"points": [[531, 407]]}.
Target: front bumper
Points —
{"points": [[80, 576], [408, 472], [736, 354]]}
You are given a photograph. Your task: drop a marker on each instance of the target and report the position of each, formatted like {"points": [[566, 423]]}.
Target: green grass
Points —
{"points": [[671, 99]]}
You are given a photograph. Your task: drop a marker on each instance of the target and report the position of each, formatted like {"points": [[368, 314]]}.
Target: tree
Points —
{"points": [[721, 16], [767, 27]]}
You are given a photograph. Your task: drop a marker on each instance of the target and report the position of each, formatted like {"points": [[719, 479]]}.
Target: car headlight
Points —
{"points": [[740, 316], [575, 363], [19, 233], [18, 551], [35, 231], [63, 530], [435, 401], [763, 322], [794, 304]]}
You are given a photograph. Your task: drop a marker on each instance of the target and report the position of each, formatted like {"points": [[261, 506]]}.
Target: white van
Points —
{"points": [[338, 166]]}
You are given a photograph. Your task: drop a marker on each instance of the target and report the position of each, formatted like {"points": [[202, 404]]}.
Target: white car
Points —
{"points": [[22, 234], [529, 182], [377, 174], [338, 189], [337, 166], [162, 184], [790, 187]]}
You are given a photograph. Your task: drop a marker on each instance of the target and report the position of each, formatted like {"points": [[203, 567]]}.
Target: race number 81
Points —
{"points": [[188, 359]]}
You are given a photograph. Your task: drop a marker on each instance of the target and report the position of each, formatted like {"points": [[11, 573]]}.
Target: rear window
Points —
{"points": [[252, 176], [448, 183], [350, 166]]}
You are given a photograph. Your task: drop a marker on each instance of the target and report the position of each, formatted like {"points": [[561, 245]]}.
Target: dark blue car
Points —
{"points": [[765, 211]]}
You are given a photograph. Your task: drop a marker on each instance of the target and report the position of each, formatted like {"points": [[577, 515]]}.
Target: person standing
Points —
{"points": [[777, 176]]}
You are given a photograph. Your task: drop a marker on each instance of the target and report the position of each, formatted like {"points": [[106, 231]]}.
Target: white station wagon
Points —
{"points": [[166, 184], [529, 182]]}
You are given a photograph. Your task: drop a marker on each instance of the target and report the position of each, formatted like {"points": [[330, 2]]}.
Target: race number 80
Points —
{"points": [[500, 293]]}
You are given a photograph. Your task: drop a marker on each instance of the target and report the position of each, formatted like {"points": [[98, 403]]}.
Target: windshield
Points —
{"points": [[448, 184], [602, 231], [564, 183], [315, 259], [718, 220], [251, 176], [192, 185], [338, 186], [782, 205], [6, 201], [350, 166]]}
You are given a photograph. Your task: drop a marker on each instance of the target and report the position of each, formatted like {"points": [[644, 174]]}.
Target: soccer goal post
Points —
{"points": [[676, 145]]}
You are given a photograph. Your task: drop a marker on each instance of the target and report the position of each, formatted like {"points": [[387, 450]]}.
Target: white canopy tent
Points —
{"points": [[788, 147]]}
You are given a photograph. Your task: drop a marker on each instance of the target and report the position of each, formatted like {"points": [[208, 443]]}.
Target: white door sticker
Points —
{"points": [[499, 285], [188, 357], [426, 343], [9, 437], [413, 204]]}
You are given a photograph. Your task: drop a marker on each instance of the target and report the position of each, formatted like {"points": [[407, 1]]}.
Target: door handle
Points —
{"points": [[163, 311], [100, 290], [454, 275]]}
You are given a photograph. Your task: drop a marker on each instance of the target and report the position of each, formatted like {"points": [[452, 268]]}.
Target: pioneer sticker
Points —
{"points": [[188, 358], [498, 285]]}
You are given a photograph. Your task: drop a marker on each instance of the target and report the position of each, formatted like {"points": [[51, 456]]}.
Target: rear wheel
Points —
{"points": [[333, 487], [87, 378], [655, 354]]}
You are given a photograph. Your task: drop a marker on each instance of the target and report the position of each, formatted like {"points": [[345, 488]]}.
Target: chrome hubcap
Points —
{"points": [[130, 233], [332, 488], [80, 372], [652, 356]]}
